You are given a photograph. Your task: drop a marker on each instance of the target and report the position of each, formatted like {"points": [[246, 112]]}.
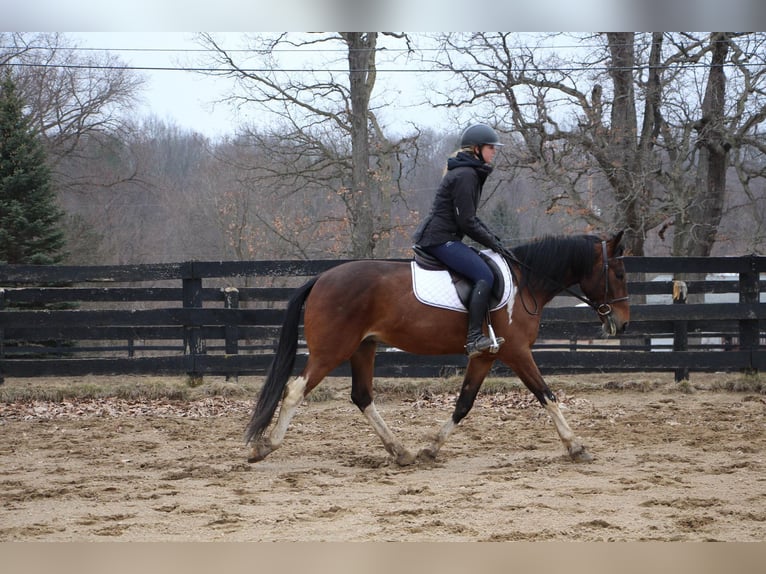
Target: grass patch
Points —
{"points": [[685, 387], [177, 388], [128, 388], [640, 385], [743, 383], [61, 391]]}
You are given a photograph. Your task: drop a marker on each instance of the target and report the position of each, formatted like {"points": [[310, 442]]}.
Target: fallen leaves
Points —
{"points": [[116, 407], [511, 400], [76, 408]]}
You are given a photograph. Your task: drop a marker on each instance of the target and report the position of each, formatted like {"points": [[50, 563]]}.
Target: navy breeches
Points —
{"points": [[461, 258]]}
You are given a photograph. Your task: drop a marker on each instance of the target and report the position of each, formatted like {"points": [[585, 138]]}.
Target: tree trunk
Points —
{"points": [[695, 226], [361, 65], [622, 152]]}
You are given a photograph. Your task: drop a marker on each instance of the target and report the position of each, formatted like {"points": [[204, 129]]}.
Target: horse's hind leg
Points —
{"points": [[362, 367], [291, 400], [295, 391]]}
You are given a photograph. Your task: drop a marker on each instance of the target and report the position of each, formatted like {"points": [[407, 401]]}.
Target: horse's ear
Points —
{"points": [[614, 240]]}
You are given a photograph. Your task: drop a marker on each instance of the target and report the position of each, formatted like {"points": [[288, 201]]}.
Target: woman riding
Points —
{"points": [[453, 216]]}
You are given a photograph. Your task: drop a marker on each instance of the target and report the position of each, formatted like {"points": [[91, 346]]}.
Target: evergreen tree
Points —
{"points": [[30, 220], [504, 221]]}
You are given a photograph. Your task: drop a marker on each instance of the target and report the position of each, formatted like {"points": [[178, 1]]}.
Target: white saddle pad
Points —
{"points": [[435, 288]]}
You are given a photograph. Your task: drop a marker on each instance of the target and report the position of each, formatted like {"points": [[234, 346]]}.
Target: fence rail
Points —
{"points": [[223, 318]]}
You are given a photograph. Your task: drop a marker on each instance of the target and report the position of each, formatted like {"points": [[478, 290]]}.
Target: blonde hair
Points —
{"points": [[465, 148]]}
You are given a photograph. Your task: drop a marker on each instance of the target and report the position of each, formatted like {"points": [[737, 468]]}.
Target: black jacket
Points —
{"points": [[453, 213]]}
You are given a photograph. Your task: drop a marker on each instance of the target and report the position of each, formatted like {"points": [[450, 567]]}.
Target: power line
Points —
{"points": [[313, 49], [209, 70]]}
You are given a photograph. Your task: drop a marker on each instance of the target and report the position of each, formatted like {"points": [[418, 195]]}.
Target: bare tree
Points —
{"points": [[632, 131], [697, 223], [71, 97], [327, 138]]}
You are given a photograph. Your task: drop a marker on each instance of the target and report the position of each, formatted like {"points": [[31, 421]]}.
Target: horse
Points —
{"points": [[353, 307]]}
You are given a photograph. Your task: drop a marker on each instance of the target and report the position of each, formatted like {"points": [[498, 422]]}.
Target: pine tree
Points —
{"points": [[504, 221], [30, 220]]}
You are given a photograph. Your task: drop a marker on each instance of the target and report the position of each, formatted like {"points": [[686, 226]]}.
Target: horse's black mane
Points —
{"points": [[552, 259]]}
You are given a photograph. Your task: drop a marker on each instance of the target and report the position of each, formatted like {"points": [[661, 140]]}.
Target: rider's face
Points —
{"points": [[488, 152]]}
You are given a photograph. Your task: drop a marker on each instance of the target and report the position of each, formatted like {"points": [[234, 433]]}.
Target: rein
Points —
{"points": [[603, 309]]}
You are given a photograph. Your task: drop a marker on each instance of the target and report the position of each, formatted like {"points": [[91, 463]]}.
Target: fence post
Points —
{"points": [[680, 329], [231, 301], [2, 335], [194, 344], [749, 292]]}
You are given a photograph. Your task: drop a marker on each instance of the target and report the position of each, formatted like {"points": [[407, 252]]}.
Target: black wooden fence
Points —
{"points": [[223, 318]]}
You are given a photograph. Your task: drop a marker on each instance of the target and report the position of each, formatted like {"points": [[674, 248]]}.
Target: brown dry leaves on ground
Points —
{"points": [[74, 408], [668, 466]]}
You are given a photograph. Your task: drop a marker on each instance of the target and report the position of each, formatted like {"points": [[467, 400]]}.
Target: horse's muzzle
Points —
{"points": [[612, 326]]}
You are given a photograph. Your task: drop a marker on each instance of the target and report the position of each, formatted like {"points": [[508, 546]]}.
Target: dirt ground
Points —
{"points": [[669, 466]]}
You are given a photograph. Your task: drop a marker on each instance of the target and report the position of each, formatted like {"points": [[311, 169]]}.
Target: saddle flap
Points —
{"points": [[429, 273]]}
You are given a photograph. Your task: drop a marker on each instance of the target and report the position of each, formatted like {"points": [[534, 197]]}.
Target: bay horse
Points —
{"points": [[353, 307]]}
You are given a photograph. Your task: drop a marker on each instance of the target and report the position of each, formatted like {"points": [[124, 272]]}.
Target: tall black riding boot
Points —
{"points": [[477, 342]]}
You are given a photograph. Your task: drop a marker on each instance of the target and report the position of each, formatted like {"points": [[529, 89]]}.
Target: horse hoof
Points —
{"points": [[255, 457], [405, 458], [581, 455], [427, 454], [258, 453]]}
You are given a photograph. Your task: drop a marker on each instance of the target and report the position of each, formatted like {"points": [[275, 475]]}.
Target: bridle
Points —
{"points": [[604, 309]]}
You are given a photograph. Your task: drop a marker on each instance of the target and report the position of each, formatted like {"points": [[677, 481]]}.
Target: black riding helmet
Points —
{"points": [[479, 134]]}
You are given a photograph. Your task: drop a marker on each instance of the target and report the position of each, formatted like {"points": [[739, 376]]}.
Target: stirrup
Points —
{"points": [[496, 341], [477, 347], [483, 344]]}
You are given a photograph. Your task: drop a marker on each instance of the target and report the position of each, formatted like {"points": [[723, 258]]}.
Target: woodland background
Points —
{"points": [[661, 134]]}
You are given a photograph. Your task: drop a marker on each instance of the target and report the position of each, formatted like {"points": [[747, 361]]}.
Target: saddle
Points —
{"points": [[463, 285]]}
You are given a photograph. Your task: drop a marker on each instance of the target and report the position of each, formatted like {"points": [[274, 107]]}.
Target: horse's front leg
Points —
{"points": [[475, 374], [402, 456], [526, 369], [574, 446]]}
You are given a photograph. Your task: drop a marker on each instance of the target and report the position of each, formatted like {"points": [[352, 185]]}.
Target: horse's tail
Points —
{"points": [[281, 366]]}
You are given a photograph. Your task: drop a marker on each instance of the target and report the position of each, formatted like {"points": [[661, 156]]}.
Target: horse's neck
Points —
{"points": [[545, 296]]}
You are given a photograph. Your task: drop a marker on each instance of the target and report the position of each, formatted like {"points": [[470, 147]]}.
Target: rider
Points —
{"points": [[453, 216]]}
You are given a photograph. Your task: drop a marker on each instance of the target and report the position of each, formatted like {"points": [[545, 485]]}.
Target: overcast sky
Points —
{"points": [[184, 98], [193, 100], [187, 98]]}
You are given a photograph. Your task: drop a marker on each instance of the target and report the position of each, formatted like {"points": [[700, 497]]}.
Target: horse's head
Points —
{"points": [[606, 286]]}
